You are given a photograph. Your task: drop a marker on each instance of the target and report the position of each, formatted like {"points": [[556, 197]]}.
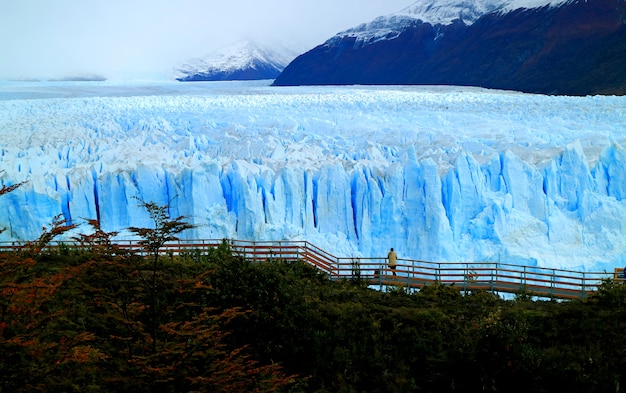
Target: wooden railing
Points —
{"points": [[490, 276]]}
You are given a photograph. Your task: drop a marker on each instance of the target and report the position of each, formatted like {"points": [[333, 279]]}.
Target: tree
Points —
{"points": [[57, 228], [153, 239], [195, 351], [197, 355], [164, 229], [36, 333], [99, 242]]}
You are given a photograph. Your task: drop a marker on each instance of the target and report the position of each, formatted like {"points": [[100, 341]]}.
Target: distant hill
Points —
{"points": [[243, 61], [561, 47], [80, 78]]}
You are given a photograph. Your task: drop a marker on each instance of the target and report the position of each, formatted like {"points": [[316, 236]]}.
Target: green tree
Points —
{"points": [[152, 240]]}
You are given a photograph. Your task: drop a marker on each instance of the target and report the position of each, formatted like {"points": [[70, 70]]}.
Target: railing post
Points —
{"points": [[306, 252], [582, 286], [465, 277], [408, 278]]}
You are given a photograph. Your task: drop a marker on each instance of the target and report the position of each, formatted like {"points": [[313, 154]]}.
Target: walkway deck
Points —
{"points": [[489, 276]]}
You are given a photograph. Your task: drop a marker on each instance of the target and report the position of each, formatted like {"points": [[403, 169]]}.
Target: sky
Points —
{"points": [[62, 38]]}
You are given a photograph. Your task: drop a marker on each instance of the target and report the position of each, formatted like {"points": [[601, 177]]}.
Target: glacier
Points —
{"points": [[440, 173]]}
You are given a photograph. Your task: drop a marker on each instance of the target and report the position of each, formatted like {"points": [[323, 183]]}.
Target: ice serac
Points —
{"points": [[610, 176], [332, 201], [408, 206]]}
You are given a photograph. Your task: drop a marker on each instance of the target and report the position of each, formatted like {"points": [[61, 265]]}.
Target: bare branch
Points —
{"points": [[7, 189]]}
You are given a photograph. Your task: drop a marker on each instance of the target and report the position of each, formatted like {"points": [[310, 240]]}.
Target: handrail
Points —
{"points": [[467, 276]]}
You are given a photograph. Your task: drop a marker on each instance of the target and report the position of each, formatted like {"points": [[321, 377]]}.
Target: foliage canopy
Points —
{"points": [[81, 320]]}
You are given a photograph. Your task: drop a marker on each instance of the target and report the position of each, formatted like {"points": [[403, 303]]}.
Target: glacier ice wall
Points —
{"points": [[440, 174]]}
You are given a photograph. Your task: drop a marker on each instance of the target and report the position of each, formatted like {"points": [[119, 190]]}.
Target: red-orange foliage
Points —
{"points": [[7, 189], [99, 242], [195, 357], [28, 316]]}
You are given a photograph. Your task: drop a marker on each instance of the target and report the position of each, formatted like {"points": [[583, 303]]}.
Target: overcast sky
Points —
{"points": [[57, 38]]}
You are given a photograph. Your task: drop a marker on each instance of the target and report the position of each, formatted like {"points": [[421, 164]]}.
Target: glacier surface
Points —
{"points": [[439, 173]]}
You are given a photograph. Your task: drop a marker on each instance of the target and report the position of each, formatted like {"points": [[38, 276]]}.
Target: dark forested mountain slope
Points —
{"points": [[577, 48]]}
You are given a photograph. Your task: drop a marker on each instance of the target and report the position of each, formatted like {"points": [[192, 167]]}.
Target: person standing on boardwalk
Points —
{"points": [[392, 259]]}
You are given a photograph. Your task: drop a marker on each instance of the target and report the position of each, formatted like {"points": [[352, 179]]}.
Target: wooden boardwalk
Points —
{"points": [[489, 276]]}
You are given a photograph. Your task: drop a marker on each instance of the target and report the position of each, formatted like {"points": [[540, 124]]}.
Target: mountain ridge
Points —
{"points": [[245, 60], [571, 48]]}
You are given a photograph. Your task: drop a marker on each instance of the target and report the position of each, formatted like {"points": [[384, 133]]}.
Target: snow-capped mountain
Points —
{"points": [[243, 61], [574, 47], [444, 12]]}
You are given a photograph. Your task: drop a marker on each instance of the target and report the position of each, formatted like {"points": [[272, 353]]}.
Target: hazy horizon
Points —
{"points": [[64, 38]]}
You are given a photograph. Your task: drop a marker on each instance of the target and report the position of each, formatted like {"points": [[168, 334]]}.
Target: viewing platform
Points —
{"points": [[413, 274]]}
